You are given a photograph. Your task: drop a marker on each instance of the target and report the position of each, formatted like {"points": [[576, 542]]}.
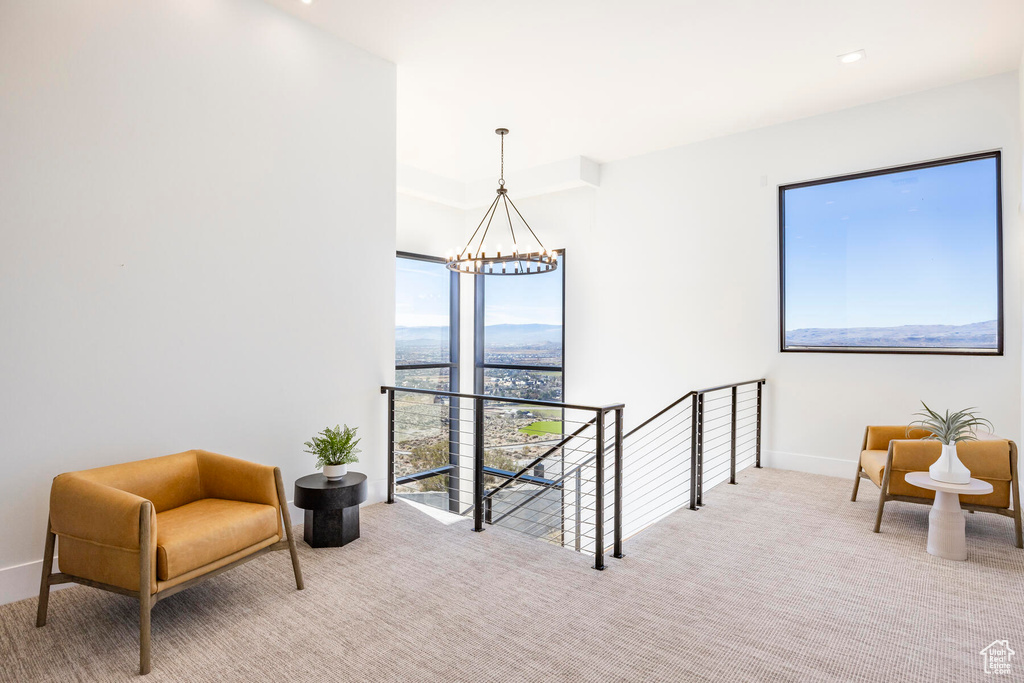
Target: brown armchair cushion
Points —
{"points": [[168, 481], [988, 460], [196, 534], [878, 438]]}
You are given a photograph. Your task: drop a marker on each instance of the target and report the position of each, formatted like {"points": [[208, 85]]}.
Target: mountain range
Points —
{"points": [[983, 335], [496, 335]]}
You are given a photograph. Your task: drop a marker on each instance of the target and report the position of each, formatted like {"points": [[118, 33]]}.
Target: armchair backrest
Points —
{"points": [[988, 459], [169, 481], [877, 438]]}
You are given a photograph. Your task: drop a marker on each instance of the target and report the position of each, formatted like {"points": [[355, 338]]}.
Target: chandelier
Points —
{"points": [[527, 256]]}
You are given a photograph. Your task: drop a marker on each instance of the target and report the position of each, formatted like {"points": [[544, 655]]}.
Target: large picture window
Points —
{"points": [[904, 260]]}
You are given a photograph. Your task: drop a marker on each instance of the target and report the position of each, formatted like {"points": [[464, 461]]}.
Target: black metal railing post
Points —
{"points": [[617, 550], [489, 510], [599, 493], [693, 453], [757, 447], [391, 446], [478, 465], [700, 449], [732, 452], [579, 508]]}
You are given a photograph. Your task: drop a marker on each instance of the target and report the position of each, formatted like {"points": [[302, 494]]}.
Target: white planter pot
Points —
{"points": [[335, 472], [948, 467]]}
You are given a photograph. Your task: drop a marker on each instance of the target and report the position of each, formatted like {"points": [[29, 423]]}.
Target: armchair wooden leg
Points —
{"points": [[856, 481], [44, 583], [878, 516], [145, 637], [299, 584], [145, 597], [882, 496], [1015, 489]]}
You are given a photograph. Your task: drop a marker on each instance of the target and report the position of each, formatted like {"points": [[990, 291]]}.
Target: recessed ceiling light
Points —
{"points": [[851, 57]]}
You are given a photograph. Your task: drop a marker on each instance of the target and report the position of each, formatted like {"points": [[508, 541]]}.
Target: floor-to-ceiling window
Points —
{"points": [[426, 357]]}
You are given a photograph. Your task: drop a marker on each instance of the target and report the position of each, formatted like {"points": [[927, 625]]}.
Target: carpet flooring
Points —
{"points": [[778, 578]]}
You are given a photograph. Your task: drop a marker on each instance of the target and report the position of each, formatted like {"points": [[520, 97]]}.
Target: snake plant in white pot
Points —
{"points": [[949, 430], [335, 449]]}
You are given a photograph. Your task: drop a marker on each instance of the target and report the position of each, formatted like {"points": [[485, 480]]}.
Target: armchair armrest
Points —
{"points": [[229, 478], [101, 533], [90, 511]]}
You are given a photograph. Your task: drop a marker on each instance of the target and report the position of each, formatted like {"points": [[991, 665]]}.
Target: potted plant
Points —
{"points": [[334, 449], [949, 430]]}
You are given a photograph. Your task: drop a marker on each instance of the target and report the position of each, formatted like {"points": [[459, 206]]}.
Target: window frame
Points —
{"points": [[453, 373], [919, 351]]}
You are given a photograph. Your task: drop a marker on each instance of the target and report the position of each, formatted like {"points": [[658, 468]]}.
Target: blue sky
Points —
{"points": [[907, 248], [524, 299], [422, 294]]}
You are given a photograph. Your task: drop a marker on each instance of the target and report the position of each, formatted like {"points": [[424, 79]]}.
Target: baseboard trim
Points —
{"points": [[21, 581], [812, 464]]}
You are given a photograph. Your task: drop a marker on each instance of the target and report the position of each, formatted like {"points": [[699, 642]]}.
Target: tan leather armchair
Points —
{"points": [[888, 453], [151, 528]]}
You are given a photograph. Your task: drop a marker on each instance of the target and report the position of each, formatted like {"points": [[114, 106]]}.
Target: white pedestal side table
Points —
{"points": [[946, 525]]}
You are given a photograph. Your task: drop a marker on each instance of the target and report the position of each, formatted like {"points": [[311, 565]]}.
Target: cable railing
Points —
{"points": [[696, 442], [567, 473], [548, 469]]}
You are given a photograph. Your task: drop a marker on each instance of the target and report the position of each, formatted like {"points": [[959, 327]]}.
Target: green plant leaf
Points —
{"points": [[334, 446]]}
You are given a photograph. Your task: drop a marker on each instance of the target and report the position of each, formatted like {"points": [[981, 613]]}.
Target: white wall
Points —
{"points": [[197, 234], [700, 300], [673, 274]]}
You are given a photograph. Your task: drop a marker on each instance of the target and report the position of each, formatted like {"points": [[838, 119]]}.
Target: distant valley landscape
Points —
{"points": [[496, 335], [531, 344], [983, 335]]}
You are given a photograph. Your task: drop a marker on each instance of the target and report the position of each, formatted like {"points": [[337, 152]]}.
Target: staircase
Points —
{"points": [[566, 473]]}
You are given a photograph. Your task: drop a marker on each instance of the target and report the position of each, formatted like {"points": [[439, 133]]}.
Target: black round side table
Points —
{"points": [[332, 508]]}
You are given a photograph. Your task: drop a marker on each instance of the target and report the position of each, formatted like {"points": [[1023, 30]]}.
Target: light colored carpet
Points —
{"points": [[778, 578]]}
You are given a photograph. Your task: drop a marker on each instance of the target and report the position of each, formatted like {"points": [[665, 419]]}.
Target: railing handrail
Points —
{"points": [[695, 392], [658, 414], [762, 380], [506, 399]]}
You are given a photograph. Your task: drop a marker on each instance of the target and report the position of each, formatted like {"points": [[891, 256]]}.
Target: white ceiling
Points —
{"points": [[608, 80]]}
